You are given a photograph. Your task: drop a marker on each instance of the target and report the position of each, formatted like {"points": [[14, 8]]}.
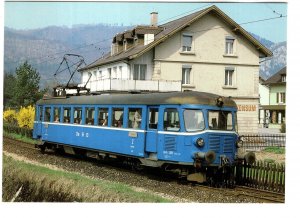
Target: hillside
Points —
{"points": [[44, 48]]}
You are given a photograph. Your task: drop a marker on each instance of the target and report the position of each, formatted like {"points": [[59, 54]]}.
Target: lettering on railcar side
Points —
{"points": [[82, 134], [132, 134]]}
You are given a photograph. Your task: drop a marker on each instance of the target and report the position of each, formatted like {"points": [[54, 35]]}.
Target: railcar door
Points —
{"points": [[152, 126], [37, 132]]}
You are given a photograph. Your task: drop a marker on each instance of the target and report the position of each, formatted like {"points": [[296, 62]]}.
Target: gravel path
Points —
{"points": [[160, 184]]}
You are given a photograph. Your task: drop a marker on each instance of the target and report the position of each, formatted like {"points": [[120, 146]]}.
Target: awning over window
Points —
{"points": [[273, 107]]}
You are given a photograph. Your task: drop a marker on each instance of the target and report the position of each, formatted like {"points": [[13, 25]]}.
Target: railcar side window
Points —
{"points": [[103, 117], [89, 116], [171, 120], [77, 115], [220, 120], [67, 115], [134, 118], [57, 114], [193, 120], [117, 117], [153, 118], [47, 115]]}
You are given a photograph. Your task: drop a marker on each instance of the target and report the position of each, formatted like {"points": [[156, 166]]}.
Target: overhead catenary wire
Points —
{"points": [[268, 6]]}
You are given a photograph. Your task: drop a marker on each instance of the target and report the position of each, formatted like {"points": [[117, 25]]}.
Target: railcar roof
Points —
{"points": [[175, 98]]}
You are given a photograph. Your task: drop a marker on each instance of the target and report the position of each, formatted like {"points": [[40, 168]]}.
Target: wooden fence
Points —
{"points": [[259, 142], [261, 175]]}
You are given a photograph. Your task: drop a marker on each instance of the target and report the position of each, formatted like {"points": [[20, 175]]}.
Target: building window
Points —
{"points": [[139, 72], [109, 72], [283, 78], [229, 45], [187, 40], [280, 97], [186, 74], [115, 76], [229, 76], [99, 75], [94, 75], [120, 70]]}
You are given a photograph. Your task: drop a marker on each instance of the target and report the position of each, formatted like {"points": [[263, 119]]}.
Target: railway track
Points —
{"points": [[271, 197], [243, 191], [239, 192]]}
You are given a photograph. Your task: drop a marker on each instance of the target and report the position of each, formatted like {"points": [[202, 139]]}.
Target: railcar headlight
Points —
{"points": [[239, 142], [200, 142]]}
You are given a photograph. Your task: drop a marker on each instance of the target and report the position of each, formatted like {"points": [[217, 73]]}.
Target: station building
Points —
{"points": [[203, 51]]}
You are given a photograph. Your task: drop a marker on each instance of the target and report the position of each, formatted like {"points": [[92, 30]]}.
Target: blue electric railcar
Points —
{"points": [[193, 133]]}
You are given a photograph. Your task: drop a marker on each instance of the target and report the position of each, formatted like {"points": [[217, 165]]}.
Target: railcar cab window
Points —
{"points": [[47, 116], [103, 116], [117, 117], [89, 116], [171, 120], [67, 115], [153, 118], [134, 118], [220, 120], [193, 120], [39, 114], [77, 115], [56, 114]]}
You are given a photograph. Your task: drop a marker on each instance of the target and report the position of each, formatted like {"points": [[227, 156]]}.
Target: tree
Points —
{"points": [[27, 86], [9, 90]]}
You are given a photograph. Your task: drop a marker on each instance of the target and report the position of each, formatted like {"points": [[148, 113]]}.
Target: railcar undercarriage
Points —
{"points": [[211, 175]]}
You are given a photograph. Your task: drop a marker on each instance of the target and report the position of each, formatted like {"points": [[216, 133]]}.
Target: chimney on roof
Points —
{"points": [[154, 16]]}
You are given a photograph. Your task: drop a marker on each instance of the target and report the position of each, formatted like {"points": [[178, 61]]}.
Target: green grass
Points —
{"points": [[45, 184], [19, 137], [275, 150]]}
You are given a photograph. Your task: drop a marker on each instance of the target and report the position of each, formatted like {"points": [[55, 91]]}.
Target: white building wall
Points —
{"points": [[264, 93], [119, 70], [208, 62], [147, 59]]}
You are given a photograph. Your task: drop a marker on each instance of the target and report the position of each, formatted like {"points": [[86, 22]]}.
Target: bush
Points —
{"points": [[26, 117], [283, 128], [10, 116]]}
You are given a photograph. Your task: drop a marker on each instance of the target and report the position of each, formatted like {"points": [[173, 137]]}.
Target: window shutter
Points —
{"points": [[277, 97]]}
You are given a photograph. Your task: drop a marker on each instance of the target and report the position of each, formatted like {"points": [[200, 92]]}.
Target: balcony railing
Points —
{"points": [[133, 85]]}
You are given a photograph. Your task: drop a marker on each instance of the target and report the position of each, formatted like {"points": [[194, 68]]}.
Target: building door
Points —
{"points": [[279, 117], [152, 126]]}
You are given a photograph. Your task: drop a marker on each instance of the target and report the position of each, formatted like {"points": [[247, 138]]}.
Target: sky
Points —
{"points": [[31, 15]]}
